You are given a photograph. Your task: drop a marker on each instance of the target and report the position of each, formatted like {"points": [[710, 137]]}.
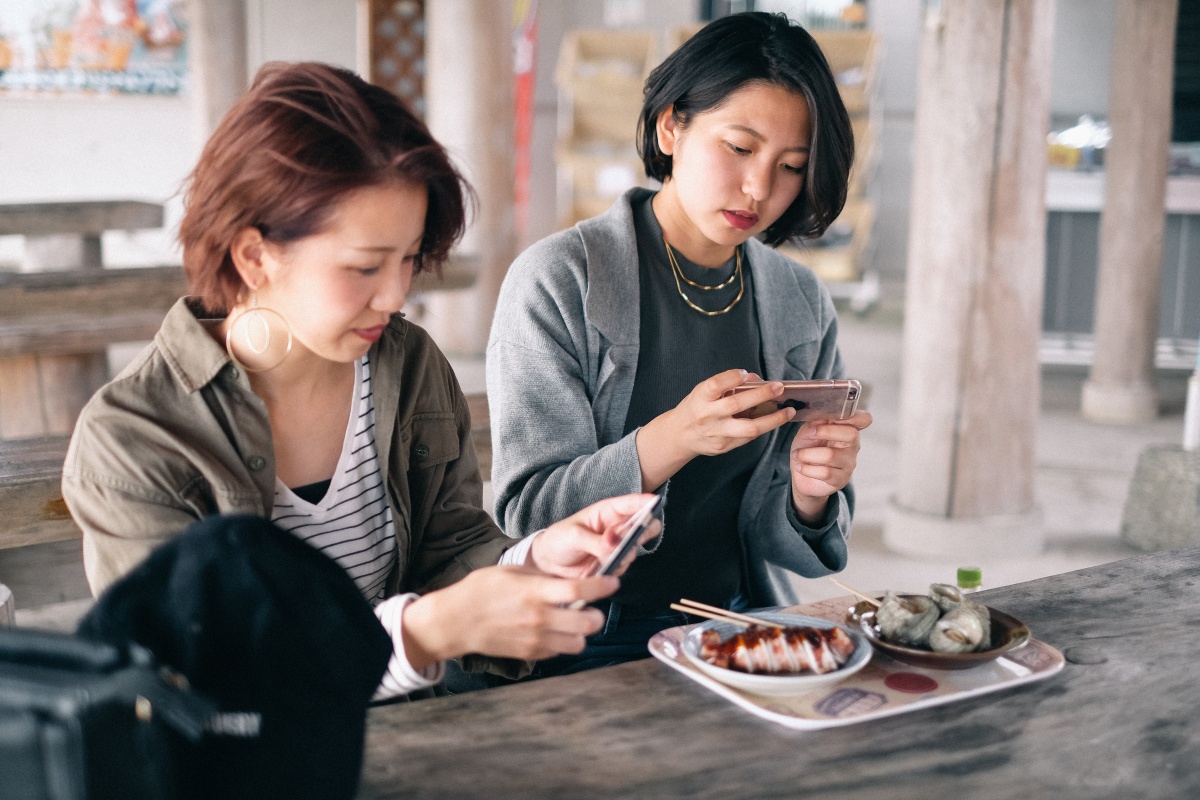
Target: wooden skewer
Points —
{"points": [[694, 607], [856, 593], [698, 613]]}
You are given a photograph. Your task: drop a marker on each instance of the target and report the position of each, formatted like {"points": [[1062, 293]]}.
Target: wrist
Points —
{"points": [[809, 510], [427, 639], [661, 451]]}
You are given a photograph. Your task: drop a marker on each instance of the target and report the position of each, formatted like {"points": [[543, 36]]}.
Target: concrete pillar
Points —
{"points": [[1120, 386], [970, 378], [217, 65], [469, 101]]}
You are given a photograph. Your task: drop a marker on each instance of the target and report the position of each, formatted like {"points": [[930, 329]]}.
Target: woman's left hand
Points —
{"points": [[575, 546], [824, 455]]}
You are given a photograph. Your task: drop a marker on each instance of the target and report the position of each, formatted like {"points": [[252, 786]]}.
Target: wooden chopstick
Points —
{"points": [[856, 593], [698, 613], [694, 607]]}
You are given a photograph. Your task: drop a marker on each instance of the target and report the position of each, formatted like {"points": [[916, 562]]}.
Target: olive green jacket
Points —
{"points": [[179, 435]]}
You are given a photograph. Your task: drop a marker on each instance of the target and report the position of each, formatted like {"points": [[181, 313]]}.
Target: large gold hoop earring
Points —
{"points": [[264, 335]]}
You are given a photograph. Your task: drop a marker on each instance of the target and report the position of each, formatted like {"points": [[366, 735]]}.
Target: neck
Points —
{"points": [[300, 374], [683, 235]]}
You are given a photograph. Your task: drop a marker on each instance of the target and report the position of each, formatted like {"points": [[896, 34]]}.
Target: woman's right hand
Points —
{"points": [[703, 424], [511, 612]]}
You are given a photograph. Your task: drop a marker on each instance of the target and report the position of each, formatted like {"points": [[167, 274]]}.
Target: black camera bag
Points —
{"points": [[86, 719]]}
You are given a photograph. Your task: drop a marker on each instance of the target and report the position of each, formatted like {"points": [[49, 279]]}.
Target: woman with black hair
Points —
{"points": [[615, 341]]}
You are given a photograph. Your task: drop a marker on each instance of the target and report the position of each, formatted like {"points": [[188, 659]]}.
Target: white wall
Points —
{"points": [[77, 147], [303, 30]]}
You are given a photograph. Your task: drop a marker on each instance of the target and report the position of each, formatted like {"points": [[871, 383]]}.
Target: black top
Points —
{"points": [[700, 556]]}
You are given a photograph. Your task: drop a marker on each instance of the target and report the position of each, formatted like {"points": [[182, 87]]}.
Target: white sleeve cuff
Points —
{"points": [[400, 677], [518, 554]]}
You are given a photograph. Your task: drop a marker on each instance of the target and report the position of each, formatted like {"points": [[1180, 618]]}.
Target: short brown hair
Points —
{"points": [[289, 150]]}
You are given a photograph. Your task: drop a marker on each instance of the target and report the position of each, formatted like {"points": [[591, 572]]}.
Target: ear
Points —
{"points": [[667, 129], [248, 252]]}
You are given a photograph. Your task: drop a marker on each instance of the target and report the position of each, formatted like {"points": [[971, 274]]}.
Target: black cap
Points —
{"points": [[277, 634]]}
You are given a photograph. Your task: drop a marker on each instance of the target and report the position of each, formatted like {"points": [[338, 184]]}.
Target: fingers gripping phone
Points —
{"points": [[631, 533], [812, 399], [635, 526]]}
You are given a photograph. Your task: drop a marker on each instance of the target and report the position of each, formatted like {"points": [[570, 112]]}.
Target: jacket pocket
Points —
{"points": [[433, 440]]}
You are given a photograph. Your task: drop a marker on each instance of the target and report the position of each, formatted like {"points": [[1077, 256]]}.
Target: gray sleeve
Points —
{"points": [[547, 460]]}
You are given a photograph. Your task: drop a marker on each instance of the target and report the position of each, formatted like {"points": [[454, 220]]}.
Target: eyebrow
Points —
{"points": [[366, 248], [761, 138]]}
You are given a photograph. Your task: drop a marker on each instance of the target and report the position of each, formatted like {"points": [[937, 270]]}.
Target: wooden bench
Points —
{"points": [[31, 501], [67, 235], [32, 510], [54, 328]]}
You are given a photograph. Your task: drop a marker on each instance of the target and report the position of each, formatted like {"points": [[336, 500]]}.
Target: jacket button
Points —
{"points": [[256, 463], [234, 373], [422, 451]]}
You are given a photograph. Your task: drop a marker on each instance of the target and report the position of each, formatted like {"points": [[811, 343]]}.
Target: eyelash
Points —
{"points": [[741, 151]]}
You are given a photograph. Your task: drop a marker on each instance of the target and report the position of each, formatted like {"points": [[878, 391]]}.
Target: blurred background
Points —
{"points": [[109, 101]]}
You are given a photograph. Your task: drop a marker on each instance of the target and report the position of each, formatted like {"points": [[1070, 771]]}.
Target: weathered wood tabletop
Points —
{"points": [[1123, 725]]}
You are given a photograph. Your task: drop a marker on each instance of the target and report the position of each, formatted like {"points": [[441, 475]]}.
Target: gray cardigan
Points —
{"points": [[561, 363]]}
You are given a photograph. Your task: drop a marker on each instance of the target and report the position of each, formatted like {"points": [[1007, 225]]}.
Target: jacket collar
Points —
{"points": [[613, 291], [193, 355], [384, 357]]}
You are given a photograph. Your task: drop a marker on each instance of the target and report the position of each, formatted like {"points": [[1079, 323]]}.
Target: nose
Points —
{"points": [[392, 291], [758, 181]]}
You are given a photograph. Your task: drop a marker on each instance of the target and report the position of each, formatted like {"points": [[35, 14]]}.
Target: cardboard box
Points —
{"points": [[839, 263], [608, 126], [598, 65], [854, 57]]}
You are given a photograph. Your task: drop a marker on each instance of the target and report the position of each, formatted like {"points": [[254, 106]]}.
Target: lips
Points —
{"points": [[371, 334], [742, 220]]}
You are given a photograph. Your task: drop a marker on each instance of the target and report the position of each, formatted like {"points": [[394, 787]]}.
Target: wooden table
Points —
{"points": [[1124, 727]]}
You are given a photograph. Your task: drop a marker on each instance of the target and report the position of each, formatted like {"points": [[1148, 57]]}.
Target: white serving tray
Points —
{"points": [[883, 688]]}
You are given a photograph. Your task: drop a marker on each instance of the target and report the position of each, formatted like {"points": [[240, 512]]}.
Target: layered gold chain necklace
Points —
{"points": [[680, 279]]}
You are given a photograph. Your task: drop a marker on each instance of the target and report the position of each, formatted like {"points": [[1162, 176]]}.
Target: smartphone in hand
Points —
{"points": [[831, 399], [631, 533], [635, 526]]}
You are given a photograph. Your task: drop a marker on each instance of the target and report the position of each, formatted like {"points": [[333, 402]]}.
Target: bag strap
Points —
{"points": [[59, 651]]}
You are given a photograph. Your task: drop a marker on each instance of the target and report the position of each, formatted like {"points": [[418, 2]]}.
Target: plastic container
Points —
{"points": [[970, 579]]}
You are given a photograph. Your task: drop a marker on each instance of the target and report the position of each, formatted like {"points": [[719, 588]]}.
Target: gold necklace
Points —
{"points": [[678, 273]]}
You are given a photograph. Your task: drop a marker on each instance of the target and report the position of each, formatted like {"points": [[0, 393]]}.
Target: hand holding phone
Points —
{"points": [[631, 533], [828, 399]]}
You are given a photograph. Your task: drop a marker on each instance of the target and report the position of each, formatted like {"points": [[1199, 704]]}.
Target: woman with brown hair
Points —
{"points": [[289, 386]]}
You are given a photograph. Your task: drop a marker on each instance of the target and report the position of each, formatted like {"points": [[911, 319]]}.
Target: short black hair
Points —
{"points": [[757, 47]]}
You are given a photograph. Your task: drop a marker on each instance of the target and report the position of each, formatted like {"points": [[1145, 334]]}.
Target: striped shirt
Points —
{"points": [[352, 524]]}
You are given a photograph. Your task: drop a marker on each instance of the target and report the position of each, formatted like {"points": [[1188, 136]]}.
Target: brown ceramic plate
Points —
{"points": [[1008, 633]]}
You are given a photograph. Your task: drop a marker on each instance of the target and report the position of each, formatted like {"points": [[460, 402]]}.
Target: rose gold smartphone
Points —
{"points": [[811, 399]]}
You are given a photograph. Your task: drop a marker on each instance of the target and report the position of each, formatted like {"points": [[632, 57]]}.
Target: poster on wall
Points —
{"points": [[108, 46]]}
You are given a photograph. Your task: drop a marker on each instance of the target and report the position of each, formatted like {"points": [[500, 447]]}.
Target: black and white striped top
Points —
{"points": [[352, 523]]}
